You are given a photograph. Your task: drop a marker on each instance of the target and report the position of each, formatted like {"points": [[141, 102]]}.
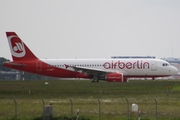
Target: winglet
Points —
{"points": [[66, 66]]}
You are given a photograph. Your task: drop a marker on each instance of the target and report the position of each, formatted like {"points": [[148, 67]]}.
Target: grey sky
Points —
{"points": [[92, 28]]}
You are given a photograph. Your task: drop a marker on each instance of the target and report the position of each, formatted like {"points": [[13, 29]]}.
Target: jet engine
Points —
{"points": [[115, 77]]}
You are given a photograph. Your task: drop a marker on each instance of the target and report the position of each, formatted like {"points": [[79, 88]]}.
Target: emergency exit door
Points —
{"points": [[153, 65]]}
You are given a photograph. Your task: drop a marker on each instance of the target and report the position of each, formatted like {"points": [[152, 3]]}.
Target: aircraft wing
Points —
{"points": [[90, 71]]}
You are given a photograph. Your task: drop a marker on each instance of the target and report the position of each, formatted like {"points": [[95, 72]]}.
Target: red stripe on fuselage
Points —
{"points": [[44, 69]]}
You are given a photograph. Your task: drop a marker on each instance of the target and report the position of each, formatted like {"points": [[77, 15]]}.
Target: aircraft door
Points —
{"points": [[153, 65], [38, 65]]}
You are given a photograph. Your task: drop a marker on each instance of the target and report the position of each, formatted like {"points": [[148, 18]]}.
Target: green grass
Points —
{"points": [[85, 95]]}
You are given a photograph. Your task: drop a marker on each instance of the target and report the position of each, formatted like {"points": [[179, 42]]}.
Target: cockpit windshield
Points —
{"points": [[165, 64]]}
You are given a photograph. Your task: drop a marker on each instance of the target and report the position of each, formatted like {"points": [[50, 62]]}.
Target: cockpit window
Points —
{"points": [[165, 64]]}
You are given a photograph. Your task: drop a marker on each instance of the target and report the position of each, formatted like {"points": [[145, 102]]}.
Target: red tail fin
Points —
{"points": [[19, 51]]}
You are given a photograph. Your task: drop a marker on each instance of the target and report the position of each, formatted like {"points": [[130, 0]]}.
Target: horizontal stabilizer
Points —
{"points": [[14, 64]]}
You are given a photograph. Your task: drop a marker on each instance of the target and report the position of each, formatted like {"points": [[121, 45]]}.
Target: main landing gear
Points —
{"points": [[95, 79]]}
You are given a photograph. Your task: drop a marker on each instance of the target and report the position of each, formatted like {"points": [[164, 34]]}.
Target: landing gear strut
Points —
{"points": [[95, 79]]}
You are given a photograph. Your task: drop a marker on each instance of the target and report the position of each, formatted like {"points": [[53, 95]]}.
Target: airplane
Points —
{"points": [[110, 70]]}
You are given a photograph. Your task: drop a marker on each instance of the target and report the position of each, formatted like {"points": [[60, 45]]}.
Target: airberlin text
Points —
{"points": [[126, 65]]}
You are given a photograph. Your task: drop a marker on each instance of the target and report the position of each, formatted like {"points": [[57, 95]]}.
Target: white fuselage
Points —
{"points": [[129, 67]]}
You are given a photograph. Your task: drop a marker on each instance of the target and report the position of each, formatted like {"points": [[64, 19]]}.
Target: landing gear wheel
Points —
{"points": [[95, 79]]}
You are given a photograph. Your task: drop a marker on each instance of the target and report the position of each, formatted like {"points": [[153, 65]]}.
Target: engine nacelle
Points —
{"points": [[114, 77]]}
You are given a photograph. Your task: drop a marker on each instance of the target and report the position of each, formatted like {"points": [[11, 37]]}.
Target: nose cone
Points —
{"points": [[174, 71]]}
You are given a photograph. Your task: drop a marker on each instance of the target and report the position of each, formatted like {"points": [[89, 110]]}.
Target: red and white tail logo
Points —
{"points": [[16, 46], [18, 49]]}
